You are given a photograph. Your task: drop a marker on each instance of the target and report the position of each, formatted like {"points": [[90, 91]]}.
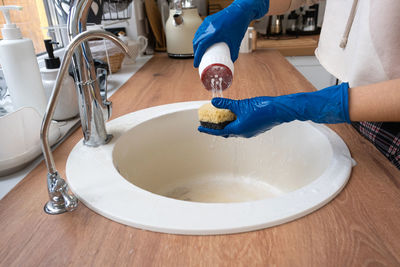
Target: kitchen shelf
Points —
{"points": [[301, 46]]}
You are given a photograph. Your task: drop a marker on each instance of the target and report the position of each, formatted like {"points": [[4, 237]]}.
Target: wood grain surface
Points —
{"points": [[360, 227], [289, 46]]}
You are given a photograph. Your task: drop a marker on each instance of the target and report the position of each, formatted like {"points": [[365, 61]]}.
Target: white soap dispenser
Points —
{"points": [[20, 66]]}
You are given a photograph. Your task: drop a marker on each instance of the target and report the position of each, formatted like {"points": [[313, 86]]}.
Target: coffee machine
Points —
{"points": [[302, 21], [275, 25]]}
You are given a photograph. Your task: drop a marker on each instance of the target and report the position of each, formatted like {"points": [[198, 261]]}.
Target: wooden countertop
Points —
{"points": [[288, 45], [359, 227]]}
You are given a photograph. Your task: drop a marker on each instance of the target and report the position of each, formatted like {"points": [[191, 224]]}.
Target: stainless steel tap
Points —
{"points": [[94, 110]]}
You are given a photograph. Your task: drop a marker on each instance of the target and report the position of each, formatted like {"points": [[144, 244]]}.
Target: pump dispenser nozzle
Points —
{"points": [[10, 30], [51, 62]]}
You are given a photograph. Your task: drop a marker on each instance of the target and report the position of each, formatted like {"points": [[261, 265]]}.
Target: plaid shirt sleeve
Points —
{"points": [[385, 136]]}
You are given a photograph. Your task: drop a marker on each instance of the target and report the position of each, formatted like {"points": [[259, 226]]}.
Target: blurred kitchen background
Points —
{"points": [[294, 34]]}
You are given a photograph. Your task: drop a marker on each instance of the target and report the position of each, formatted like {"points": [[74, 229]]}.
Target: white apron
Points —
{"points": [[372, 31]]}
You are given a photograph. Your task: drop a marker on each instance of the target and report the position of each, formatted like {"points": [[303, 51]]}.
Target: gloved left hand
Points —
{"points": [[260, 114], [228, 25]]}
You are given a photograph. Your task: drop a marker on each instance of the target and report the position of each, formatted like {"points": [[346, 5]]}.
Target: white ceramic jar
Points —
{"points": [[67, 106]]}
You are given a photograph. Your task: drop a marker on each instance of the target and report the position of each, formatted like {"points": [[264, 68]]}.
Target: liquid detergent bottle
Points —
{"points": [[20, 66], [216, 68]]}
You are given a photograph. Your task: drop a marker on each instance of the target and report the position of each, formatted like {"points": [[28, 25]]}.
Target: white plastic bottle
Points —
{"points": [[216, 67], [20, 67]]}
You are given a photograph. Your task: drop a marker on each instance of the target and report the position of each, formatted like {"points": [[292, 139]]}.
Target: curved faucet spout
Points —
{"points": [[58, 196], [77, 17]]}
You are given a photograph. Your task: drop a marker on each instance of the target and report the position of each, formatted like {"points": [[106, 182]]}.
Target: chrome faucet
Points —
{"points": [[93, 110]]}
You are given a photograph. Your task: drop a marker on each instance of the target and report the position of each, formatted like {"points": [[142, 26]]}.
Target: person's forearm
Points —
{"points": [[375, 102]]}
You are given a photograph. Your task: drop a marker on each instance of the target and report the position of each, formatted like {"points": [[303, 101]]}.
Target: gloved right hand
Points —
{"points": [[260, 114], [228, 25]]}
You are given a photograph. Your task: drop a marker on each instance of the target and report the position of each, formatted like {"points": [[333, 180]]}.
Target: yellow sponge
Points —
{"points": [[215, 118]]}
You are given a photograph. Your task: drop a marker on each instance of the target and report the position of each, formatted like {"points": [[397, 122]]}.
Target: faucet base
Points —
{"points": [[54, 209], [97, 142], [60, 200]]}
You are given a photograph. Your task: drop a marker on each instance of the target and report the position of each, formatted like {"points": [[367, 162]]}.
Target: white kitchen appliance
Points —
{"points": [[180, 28]]}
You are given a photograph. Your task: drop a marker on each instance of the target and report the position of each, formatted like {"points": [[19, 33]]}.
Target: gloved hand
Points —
{"points": [[260, 114], [228, 25]]}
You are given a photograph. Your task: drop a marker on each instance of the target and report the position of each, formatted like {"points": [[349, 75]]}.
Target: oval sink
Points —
{"points": [[159, 173]]}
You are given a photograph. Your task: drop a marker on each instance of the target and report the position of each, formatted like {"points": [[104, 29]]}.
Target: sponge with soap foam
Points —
{"points": [[215, 118]]}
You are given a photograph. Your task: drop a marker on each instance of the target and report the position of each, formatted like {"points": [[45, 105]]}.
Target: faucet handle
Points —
{"points": [[102, 79], [101, 75], [108, 105]]}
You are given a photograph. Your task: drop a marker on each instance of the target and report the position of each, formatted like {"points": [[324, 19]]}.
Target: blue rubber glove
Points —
{"points": [[260, 114], [228, 25]]}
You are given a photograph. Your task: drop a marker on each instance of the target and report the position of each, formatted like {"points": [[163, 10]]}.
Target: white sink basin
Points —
{"points": [[159, 173]]}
